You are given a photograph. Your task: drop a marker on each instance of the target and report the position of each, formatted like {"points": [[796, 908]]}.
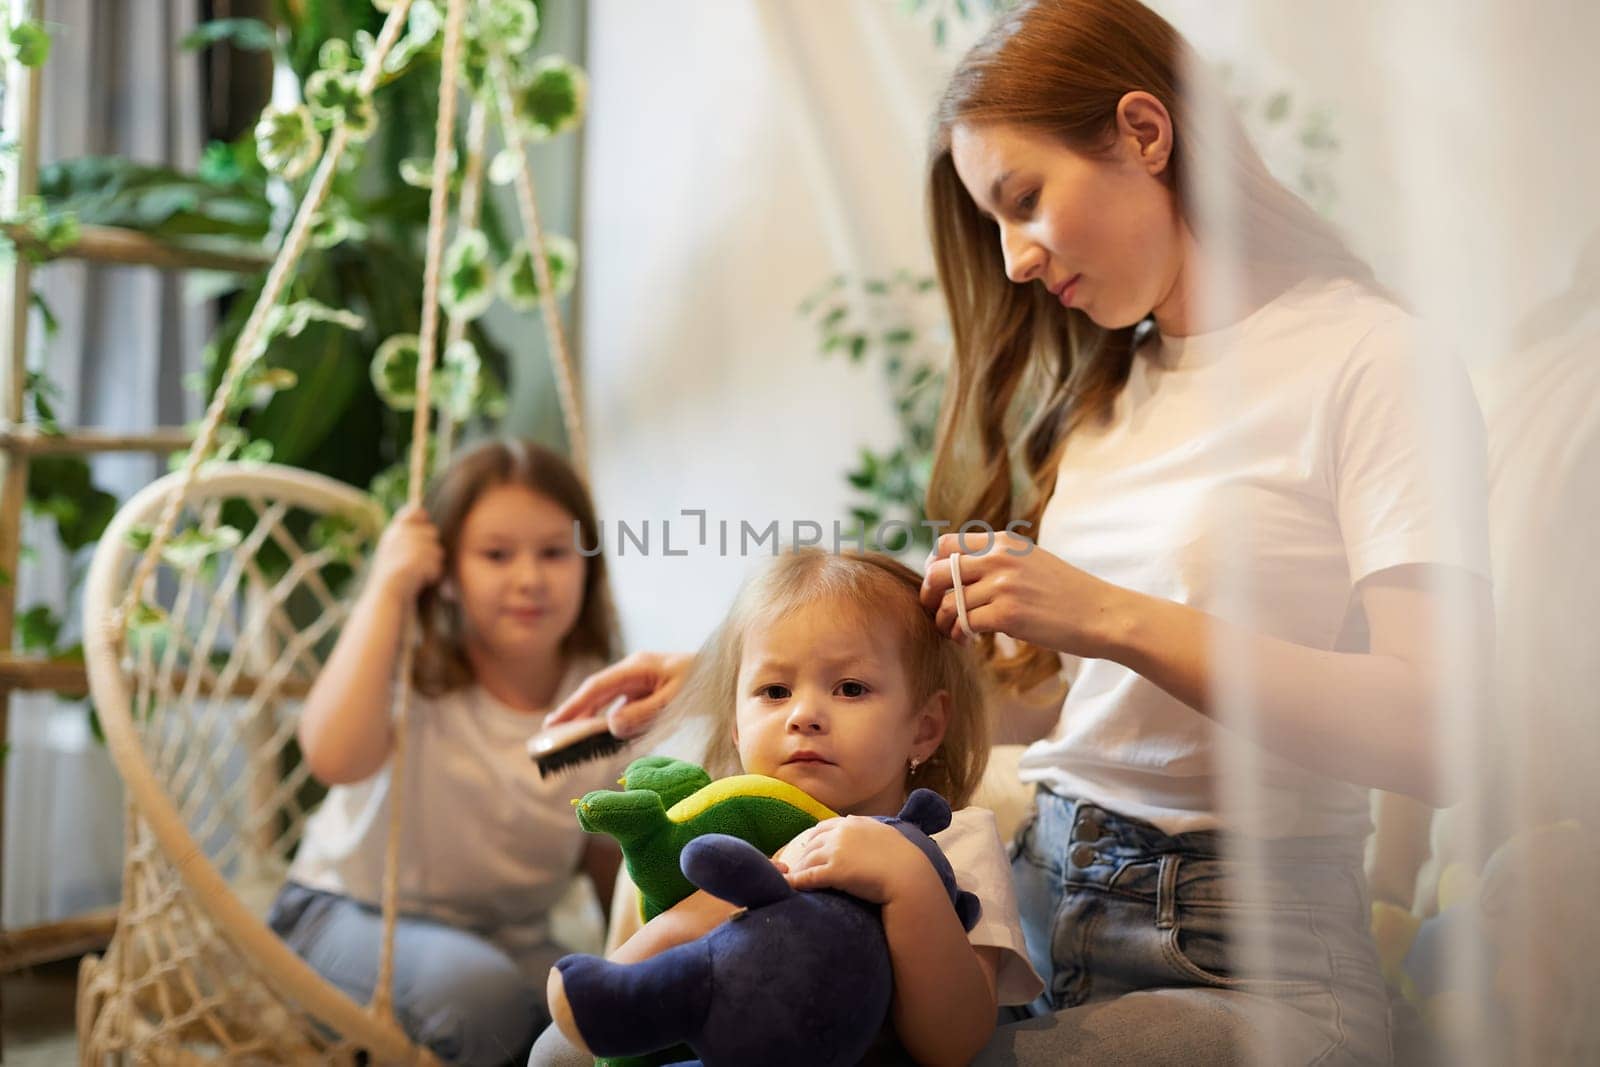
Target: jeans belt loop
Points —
{"points": [[1167, 892]]}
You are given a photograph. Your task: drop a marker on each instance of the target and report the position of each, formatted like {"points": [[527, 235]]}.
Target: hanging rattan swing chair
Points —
{"points": [[200, 644]]}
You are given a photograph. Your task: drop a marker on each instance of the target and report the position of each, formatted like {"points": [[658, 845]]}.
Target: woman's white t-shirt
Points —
{"points": [[1256, 473], [487, 845]]}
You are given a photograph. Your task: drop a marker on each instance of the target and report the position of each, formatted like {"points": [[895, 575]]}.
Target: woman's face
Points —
{"points": [[1101, 233]]}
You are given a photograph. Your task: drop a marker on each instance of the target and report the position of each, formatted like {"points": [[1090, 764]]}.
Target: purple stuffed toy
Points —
{"points": [[798, 979]]}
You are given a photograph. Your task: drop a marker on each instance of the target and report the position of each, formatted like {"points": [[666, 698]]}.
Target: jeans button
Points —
{"points": [[1082, 856], [1090, 828]]}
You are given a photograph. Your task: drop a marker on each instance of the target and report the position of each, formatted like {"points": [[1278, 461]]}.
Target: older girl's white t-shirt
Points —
{"points": [[486, 845], [1256, 473]]}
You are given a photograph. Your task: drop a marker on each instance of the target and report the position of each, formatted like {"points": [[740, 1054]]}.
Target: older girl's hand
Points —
{"points": [[1015, 587], [860, 856], [409, 557], [647, 680]]}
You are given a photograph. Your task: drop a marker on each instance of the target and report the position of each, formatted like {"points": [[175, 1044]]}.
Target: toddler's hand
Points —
{"points": [[857, 855], [409, 557]]}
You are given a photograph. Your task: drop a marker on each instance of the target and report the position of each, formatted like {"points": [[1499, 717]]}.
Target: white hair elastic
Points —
{"points": [[961, 595]]}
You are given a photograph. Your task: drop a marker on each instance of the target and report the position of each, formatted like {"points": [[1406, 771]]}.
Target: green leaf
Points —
{"points": [[32, 43], [327, 360], [188, 548], [147, 620], [342, 536], [468, 288], [291, 320], [287, 141], [511, 24], [247, 35], [552, 99], [394, 371], [46, 317], [505, 166], [519, 282], [459, 382], [38, 628]]}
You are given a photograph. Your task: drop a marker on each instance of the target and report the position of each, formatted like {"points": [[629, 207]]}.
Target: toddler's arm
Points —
{"points": [[694, 915], [945, 999]]}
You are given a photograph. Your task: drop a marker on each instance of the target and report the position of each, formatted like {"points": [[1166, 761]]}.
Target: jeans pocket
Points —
{"points": [[1025, 843], [1213, 942]]}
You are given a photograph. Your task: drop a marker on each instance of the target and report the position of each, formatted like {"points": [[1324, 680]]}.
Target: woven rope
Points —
{"points": [[528, 205], [208, 704], [438, 213]]}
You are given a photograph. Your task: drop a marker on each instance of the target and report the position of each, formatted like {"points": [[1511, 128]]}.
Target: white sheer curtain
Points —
{"points": [[116, 83], [739, 152]]}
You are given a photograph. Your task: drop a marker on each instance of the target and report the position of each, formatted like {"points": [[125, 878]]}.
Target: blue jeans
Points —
{"points": [[1139, 937], [454, 992]]}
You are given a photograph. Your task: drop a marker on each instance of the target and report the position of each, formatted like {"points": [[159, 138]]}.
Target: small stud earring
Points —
{"points": [[915, 763]]}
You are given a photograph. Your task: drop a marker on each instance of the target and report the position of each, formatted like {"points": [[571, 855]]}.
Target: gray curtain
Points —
{"points": [[116, 84]]}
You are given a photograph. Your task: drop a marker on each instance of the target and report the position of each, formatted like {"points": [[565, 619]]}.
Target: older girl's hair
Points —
{"points": [[877, 590], [441, 662], [1025, 368]]}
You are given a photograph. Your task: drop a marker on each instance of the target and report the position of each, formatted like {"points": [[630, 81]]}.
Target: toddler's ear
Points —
{"points": [[932, 721]]}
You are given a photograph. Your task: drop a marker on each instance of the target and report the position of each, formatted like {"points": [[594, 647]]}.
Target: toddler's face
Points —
{"points": [[519, 574], [825, 705]]}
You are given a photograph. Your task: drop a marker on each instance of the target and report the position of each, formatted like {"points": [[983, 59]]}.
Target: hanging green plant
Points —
{"points": [[460, 381], [505, 166], [291, 320], [417, 171], [189, 548], [394, 370], [519, 282], [287, 141], [335, 97], [29, 43], [342, 537], [334, 225], [552, 98], [510, 24], [468, 287]]}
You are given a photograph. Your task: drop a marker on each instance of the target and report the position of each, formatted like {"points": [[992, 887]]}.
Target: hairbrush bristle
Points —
{"points": [[571, 743], [586, 751]]}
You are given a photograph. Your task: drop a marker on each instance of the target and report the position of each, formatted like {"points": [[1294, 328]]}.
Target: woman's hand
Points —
{"points": [[858, 855], [1018, 588], [649, 680], [409, 557]]}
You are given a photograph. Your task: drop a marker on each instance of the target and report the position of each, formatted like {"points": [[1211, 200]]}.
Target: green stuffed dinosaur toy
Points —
{"points": [[665, 803]]}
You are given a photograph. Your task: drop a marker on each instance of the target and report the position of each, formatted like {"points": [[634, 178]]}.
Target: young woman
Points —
{"points": [[1226, 436]]}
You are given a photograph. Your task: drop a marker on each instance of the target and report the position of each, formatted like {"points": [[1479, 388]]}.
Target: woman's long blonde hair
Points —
{"points": [[441, 664], [1025, 369], [877, 590]]}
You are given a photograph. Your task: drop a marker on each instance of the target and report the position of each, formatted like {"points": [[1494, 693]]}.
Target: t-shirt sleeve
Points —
{"points": [[972, 845], [1409, 456]]}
